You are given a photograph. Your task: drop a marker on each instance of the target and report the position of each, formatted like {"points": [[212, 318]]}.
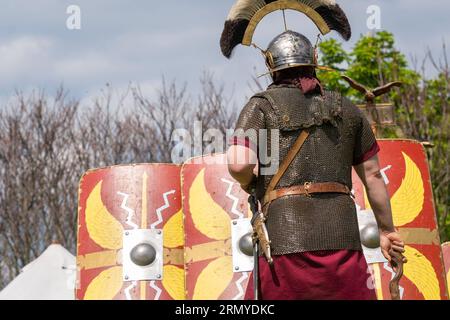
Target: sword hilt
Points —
{"points": [[253, 203]]}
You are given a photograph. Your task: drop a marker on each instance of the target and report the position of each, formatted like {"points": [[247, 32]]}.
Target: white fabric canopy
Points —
{"points": [[51, 276]]}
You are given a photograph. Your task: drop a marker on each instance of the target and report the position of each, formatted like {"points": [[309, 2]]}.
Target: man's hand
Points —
{"points": [[391, 241]]}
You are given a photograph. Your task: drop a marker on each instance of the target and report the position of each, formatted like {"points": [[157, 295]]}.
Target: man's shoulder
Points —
{"points": [[259, 101], [349, 108], [256, 106]]}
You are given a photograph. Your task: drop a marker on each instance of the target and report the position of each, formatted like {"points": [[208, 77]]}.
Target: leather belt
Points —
{"points": [[307, 189]]}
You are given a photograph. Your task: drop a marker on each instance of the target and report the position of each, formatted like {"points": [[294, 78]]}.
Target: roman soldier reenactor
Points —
{"points": [[308, 229]]}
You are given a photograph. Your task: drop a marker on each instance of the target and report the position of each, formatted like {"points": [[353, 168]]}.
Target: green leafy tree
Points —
{"points": [[376, 61]]}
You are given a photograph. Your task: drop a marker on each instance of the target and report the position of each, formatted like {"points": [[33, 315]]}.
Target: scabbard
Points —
{"points": [[253, 202], [256, 271], [260, 231]]}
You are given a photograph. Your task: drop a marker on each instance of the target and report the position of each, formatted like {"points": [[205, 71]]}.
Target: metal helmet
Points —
{"points": [[288, 50]]}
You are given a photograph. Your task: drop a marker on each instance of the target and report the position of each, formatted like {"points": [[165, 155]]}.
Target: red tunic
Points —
{"points": [[319, 275]]}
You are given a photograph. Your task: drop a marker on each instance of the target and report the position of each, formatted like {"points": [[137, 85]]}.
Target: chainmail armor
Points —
{"points": [[339, 133]]}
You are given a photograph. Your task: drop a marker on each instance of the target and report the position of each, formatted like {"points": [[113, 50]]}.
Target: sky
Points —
{"points": [[140, 41]]}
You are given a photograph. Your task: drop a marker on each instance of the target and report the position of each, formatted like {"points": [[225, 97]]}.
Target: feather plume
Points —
{"points": [[243, 11], [232, 35], [246, 9], [336, 20]]}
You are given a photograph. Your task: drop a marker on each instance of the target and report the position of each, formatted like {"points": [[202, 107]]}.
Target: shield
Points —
{"points": [[446, 253], [405, 170], [216, 222], [211, 200], [124, 207], [130, 234]]}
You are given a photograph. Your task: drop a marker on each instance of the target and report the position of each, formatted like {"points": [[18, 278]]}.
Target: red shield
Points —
{"points": [[121, 198], [211, 199], [405, 168]]}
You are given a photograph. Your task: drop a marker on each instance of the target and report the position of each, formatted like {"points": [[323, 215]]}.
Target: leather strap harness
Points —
{"points": [[307, 189]]}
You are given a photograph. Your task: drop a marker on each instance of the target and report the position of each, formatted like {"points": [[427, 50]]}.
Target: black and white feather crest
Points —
{"points": [[243, 10]]}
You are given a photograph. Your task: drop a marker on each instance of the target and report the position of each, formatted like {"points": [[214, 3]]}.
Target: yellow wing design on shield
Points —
{"points": [[209, 218], [407, 202], [102, 227], [214, 279], [106, 285], [173, 282], [421, 272], [174, 232]]}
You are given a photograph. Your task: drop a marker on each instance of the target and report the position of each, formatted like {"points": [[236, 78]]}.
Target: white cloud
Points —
{"points": [[23, 55], [83, 66], [159, 42]]}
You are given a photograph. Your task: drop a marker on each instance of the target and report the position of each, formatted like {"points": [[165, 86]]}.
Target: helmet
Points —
{"points": [[288, 50]]}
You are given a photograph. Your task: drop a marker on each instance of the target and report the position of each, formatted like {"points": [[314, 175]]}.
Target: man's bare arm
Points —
{"points": [[242, 164], [370, 174]]}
